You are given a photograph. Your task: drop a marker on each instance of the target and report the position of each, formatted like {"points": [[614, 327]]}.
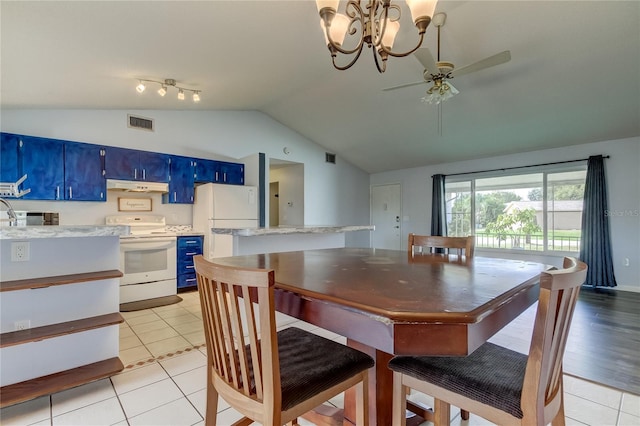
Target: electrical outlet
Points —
{"points": [[20, 251], [22, 325]]}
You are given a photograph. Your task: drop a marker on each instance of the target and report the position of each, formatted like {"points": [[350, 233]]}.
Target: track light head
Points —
{"points": [[140, 87]]}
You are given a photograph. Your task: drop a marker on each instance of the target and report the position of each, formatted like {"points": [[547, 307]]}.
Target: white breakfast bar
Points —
{"points": [[243, 241], [59, 301]]}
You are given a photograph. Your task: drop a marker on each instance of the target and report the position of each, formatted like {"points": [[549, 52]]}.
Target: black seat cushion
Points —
{"points": [[492, 375], [310, 364]]}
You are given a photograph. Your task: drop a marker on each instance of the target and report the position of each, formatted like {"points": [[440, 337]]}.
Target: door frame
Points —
{"points": [[399, 185]]}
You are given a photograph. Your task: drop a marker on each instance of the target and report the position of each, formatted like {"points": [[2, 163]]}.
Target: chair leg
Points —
{"points": [[362, 398], [558, 420], [441, 413], [212, 405], [399, 410]]}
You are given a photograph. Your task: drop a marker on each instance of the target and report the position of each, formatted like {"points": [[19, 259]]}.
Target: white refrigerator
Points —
{"points": [[223, 206]]}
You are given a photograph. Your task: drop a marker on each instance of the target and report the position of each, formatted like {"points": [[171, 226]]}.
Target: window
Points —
{"points": [[539, 211]]}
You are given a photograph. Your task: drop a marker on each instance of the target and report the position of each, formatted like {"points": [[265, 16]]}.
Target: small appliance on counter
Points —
{"points": [[26, 218]]}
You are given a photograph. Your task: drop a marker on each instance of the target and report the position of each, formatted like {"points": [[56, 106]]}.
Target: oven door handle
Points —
{"points": [[149, 245]]}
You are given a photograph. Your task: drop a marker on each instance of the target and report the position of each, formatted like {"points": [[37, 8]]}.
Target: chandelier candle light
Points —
{"points": [[377, 23], [168, 82]]}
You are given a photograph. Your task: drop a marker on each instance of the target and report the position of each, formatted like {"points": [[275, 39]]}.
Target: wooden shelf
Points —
{"points": [[34, 283], [55, 330], [30, 389]]}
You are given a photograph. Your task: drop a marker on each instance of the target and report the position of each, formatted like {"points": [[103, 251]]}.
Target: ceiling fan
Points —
{"points": [[441, 72]]}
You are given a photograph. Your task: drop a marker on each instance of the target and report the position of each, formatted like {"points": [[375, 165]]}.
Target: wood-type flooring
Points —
{"points": [[604, 340]]}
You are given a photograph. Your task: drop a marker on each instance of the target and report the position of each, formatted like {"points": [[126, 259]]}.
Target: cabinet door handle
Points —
{"points": [[175, 196], [135, 173], [189, 267], [224, 177], [70, 192], [191, 253], [190, 279], [144, 174], [57, 192]]}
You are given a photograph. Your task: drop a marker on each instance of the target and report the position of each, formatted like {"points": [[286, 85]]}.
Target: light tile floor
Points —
{"points": [[163, 382]]}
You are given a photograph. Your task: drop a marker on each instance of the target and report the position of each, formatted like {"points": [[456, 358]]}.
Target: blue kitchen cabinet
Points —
{"points": [[187, 248], [219, 172], [205, 170], [131, 164], [9, 144], [42, 160], [84, 172], [181, 180], [230, 173]]}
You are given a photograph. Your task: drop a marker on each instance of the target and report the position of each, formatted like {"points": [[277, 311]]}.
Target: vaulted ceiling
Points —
{"points": [[574, 76]]}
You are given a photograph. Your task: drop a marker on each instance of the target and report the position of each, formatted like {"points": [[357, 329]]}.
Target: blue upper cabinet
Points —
{"points": [[42, 160], [131, 164], [182, 181], [231, 173], [84, 172], [205, 170], [9, 144], [219, 172]]}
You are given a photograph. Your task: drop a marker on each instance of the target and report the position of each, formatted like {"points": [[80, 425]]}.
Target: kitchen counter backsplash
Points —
{"points": [[182, 230]]}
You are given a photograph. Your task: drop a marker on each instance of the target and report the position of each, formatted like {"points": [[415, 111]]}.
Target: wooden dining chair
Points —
{"points": [[271, 378], [498, 384], [429, 243]]}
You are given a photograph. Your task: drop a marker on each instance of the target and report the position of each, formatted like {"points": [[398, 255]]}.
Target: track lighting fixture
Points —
{"points": [[168, 82]]}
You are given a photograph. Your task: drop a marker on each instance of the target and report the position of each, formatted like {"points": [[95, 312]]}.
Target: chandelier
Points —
{"points": [[168, 82], [376, 24]]}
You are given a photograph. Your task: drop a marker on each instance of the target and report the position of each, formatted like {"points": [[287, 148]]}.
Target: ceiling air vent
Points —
{"points": [[140, 123], [330, 158]]}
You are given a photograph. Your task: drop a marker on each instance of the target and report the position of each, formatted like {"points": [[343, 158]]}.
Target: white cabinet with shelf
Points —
{"points": [[59, 310]]}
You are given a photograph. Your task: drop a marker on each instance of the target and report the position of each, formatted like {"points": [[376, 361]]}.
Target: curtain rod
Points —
{"points": [[521, 167]]}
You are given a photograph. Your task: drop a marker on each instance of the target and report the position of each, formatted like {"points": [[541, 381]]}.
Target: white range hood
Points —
{"points": [[136, 186]]}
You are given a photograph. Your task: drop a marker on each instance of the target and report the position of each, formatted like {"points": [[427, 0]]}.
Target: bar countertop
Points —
{"points": [[63, 231], [284, 230]]}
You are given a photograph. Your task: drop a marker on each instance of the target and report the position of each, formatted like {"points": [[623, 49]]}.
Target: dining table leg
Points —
{"points": [[380, 388]]}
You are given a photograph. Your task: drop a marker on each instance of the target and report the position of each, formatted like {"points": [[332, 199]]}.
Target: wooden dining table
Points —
{"points": [[387, 302]]}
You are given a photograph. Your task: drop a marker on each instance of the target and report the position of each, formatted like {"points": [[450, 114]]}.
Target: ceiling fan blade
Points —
{"points": [[491, 61], [405, 85], [426, 59]]}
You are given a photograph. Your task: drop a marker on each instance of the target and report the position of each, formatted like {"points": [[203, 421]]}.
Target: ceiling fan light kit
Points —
{"points": [[440, 72], [168, 82], [376, 24]]}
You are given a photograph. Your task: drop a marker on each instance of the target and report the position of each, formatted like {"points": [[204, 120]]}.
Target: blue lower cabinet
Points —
{"points": [[187, 248]]}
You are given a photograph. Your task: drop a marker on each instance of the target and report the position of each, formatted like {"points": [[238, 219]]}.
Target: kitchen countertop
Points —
{"points": [[63, 231], [284, 230]]}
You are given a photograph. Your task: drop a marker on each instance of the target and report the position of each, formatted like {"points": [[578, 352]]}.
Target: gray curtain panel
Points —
{"points": [[595, 248], [438, 205]]}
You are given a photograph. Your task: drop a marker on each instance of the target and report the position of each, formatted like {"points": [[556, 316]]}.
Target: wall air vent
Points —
{"points": [[330, 158], [139, 123]]}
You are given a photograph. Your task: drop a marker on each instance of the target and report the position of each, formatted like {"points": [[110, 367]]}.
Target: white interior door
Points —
{"points": [[386, 216]]}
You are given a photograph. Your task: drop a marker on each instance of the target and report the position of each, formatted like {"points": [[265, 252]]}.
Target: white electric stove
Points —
{"points": [[147, 258]]}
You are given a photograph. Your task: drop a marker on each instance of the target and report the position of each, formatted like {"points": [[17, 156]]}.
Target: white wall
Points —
{"points": [[623, 178], [291, 194], [336, 194]]}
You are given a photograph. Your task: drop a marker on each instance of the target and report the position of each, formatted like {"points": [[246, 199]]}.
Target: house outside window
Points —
{"points": [[539, 211]]}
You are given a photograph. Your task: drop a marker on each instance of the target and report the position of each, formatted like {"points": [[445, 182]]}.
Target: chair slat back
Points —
{"points": [[431, 242], [559, 291], [241, 344]]}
